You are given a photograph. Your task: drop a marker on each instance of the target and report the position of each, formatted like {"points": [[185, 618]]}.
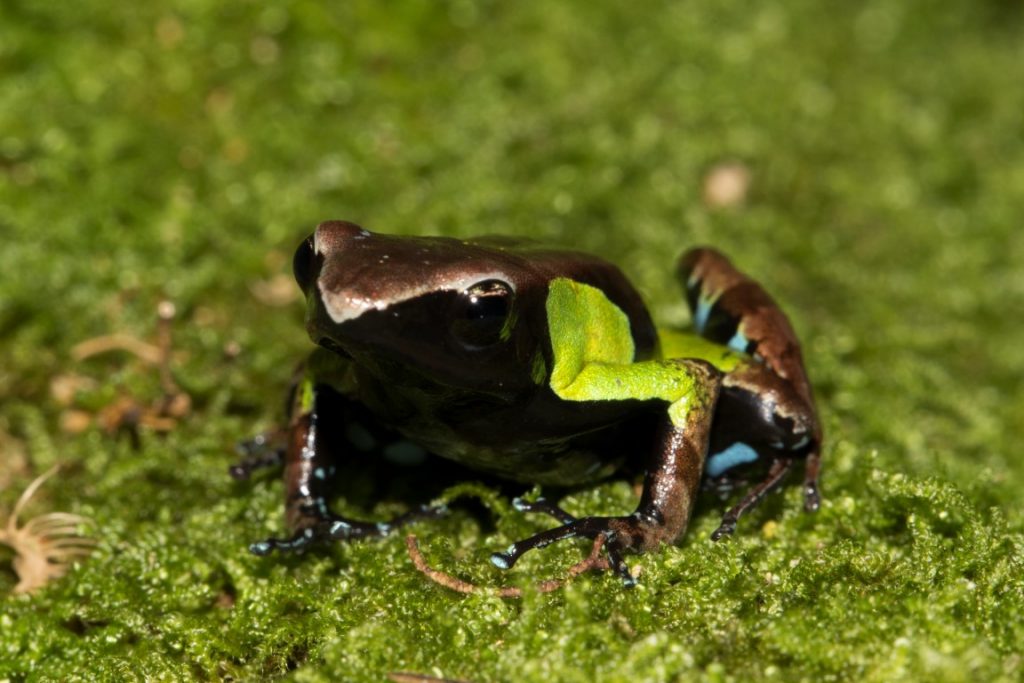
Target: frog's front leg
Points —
{"points": [[673, 478], [309, 471]]}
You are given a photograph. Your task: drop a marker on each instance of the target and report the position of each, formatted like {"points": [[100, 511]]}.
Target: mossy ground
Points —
{"points": [[181, 150]]}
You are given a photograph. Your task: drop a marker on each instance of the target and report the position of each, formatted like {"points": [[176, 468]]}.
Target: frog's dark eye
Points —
{"points": [[303, 264], [482, 312]]}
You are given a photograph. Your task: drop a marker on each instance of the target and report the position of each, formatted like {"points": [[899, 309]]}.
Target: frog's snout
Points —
{"points": [[330, 237]]}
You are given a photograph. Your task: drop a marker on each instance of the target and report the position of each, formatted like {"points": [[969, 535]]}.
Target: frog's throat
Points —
{"points": [[349, 304]]}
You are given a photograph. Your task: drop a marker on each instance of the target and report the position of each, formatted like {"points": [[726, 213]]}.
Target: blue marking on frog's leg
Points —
{"points": [[736, 454], [739, 342], [701, 315], [742, 304]]}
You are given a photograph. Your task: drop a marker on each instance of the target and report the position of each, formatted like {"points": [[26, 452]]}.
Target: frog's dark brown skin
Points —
{"points": [[447, 342], [742, 306]]}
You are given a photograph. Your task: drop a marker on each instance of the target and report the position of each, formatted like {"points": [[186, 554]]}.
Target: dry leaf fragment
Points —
{"points": [[47, 545]]}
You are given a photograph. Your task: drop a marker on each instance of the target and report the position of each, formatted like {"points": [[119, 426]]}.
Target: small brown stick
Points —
{"points": [[406, 677], [593, 561], [117, 342]]}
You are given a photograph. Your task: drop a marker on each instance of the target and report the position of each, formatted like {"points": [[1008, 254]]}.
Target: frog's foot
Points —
{"points": [[544, 506], [812, 497], [324, 529], [780, 467], [622, 533], [263, 450]]}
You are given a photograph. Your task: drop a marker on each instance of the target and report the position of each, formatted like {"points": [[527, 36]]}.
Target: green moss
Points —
{"points": [[183, 150]]}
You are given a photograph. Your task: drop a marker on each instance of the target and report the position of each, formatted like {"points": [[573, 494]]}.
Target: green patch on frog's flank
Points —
{"points": [[150, 152], [593, 354]]}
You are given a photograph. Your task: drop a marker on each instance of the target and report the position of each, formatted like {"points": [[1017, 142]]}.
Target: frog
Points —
{"points": [[542, 366]]}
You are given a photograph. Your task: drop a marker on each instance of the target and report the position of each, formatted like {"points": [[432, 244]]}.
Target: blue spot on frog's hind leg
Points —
{"points": [[731, 308], [760, 418], [733, 456]]}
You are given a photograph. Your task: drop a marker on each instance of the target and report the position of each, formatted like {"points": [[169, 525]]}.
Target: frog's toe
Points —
{"points": [[812, 497], [336, 528], [726, 528], [262, 450], [323, 531], [244, 468], [296, 543], [618, 539], [543, 505], [503, 560]]}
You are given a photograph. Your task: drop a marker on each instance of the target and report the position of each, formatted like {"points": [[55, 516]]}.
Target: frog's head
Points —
{"points": [[457, 313]]}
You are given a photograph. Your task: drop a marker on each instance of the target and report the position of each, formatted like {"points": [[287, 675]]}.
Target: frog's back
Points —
{"points": [[549, 264]]}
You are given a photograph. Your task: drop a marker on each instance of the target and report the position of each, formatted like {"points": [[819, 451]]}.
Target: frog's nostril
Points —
{"points": [[304, 263]]}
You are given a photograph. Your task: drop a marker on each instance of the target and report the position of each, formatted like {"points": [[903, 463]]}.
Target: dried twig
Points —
{"points": [[593, 561], [406, 677], [127, 414], [117, 342]]}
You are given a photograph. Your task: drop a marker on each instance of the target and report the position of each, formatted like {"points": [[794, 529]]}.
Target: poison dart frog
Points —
{"points": [[541, 366]]}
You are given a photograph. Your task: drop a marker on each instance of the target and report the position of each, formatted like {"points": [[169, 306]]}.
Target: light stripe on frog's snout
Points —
{"points": [[345, 305]]}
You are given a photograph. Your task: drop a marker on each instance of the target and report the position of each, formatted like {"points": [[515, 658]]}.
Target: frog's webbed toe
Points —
{"points": [[326, 528], [621, 534]]}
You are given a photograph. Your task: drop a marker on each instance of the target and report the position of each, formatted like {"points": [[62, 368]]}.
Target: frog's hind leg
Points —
{"points": [[776, 473], [760, 418], [731, 308], [309, 471]]}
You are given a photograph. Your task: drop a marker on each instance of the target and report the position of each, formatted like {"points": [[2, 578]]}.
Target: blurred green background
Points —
{"points": [[180, 151]]}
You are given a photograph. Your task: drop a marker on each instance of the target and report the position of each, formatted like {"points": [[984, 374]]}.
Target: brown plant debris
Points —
{"points": [[405, 677], [126, 413], [593, 561], [47, 545]]}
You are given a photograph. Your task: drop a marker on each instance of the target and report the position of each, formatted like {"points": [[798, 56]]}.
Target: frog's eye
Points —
{"points": [[482, 313]]}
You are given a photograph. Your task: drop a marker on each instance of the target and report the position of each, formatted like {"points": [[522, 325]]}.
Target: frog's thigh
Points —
{"points": [[733, 309]]}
